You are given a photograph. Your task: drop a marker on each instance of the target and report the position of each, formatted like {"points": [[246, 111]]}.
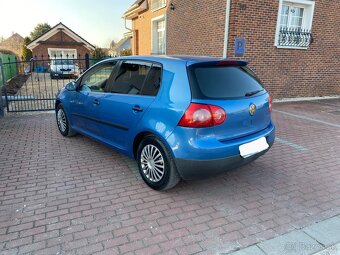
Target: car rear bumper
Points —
{"points": [[190, 169], [206, 156]]}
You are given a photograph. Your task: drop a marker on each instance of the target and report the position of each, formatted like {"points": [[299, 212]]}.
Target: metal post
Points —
{"points": [[2, 113], [87, 61]]}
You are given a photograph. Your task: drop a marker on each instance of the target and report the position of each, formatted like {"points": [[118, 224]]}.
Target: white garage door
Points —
{"points": [[62, 53]]}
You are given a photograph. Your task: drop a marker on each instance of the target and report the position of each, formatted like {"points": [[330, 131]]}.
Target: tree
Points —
{"points": [[39, 30], [126, 52], [110, 43], [98, 53], [26, 54]]}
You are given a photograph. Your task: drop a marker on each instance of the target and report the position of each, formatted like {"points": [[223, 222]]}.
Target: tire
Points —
{"points": [[63, 122], [156, 164]]}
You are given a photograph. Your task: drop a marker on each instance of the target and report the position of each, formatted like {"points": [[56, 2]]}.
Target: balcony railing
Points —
{"points": [[295, 37], [157, 4]]}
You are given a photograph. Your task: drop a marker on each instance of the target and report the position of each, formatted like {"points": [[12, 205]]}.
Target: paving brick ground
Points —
{"points": [[75, 196]]}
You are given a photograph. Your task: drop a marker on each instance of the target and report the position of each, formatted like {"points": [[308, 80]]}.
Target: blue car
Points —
{"points": [[180, 117]]}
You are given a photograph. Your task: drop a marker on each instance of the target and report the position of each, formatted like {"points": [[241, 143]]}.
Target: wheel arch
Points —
{"points": [[57, 102], [140, 136]]}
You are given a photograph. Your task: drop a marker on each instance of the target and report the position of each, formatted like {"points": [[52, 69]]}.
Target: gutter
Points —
{"points": [[226, 33]]}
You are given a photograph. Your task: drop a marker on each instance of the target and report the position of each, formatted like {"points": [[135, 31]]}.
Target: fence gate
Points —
{"points": [[33, 85]]}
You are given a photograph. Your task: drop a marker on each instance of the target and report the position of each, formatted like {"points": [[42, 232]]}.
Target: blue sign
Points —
{"points": [[240, 47]]}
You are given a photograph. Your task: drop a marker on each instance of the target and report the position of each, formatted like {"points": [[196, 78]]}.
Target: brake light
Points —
{"points": [[270, 101], [202, 115], [227, 63], [231, 63]]}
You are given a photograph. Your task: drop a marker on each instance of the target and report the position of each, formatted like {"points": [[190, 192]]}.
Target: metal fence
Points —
{"points": [[36, 82], [295, 37], [11, 70]]}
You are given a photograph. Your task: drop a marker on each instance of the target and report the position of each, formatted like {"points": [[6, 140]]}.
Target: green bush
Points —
{"points": [[26, 54], [126, 52]]}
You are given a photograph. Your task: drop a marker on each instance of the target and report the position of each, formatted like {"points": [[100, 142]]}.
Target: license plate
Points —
{"points": [[254, 147]]}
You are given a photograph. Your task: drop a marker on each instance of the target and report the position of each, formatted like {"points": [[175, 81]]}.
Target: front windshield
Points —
{"points": [[62, 62]]}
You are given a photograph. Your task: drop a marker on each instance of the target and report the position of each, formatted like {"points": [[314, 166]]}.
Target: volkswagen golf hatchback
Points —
{"points": [[179, 117]]}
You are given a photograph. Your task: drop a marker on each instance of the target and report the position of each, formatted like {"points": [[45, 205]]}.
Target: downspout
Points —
{"points": [[226, 33], [133, 35], [126, 27]]}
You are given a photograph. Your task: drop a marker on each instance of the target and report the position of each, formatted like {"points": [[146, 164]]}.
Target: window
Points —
{"points": [[137, 78], [153, 81], [157, 4], [130, 77], [158, 35], [291, 17], [216, 82], [97, 79], [294, 24]]}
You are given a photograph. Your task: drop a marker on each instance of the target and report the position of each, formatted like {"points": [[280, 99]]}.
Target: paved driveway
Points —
{"points": [[75, 196]]}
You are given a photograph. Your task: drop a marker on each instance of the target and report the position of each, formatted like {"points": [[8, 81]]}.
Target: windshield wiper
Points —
{"points": [[249, 94]]}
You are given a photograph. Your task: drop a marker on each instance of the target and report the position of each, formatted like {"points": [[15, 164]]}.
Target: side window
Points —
{"points": [[153, 81], [130, 77], [97, 79]]}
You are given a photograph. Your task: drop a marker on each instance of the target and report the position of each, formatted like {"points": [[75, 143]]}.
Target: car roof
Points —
{"points": [[189, 60]]}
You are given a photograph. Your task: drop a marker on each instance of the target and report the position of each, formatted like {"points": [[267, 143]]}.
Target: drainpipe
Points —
{"points": [[126, 27], [133, 36], [226, 33]]}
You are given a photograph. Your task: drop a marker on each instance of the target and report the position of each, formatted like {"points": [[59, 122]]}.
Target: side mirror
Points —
{"points": [[72, 86]]}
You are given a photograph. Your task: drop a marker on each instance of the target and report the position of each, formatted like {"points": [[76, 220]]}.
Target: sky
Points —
{"points": [[97, 21]]}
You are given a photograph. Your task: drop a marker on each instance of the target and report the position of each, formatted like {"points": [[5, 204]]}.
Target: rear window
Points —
{"points": [[218, 82]]}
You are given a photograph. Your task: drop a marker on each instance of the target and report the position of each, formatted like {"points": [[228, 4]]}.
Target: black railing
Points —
{"points": [[34, 84], [295, 37]]}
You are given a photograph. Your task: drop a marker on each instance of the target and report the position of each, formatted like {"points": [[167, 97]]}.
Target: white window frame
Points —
{"points": [[307, 20], [154, 35], [159, 7], [62, 50]]}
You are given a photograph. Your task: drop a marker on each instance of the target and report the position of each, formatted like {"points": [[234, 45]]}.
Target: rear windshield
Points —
{"points": [[218, 82]]}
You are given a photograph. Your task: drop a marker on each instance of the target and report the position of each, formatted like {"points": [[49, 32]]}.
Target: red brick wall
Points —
{"points": [[196, 27]]}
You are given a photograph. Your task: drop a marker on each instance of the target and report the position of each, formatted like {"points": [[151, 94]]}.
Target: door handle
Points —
{"points": [[137, 108], [96, 102]]}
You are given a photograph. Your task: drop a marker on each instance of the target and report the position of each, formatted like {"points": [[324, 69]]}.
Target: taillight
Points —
{"points": [[202, 115], [270, 101]]}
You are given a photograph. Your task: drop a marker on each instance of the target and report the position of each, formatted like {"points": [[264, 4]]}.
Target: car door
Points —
{"points": [[125, 104], [86, 104]]}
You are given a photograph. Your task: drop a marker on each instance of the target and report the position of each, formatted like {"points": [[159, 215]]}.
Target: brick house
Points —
{"points": [[13, 44], [60, 42], [292, 45]]}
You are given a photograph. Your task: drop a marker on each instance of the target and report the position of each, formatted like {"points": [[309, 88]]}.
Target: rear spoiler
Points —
{"points": [[218, 63]]}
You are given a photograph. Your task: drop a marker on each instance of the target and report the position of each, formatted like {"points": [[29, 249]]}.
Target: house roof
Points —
{"points": [[54, 30], [14, 37], [122, 44], [135, 9]]}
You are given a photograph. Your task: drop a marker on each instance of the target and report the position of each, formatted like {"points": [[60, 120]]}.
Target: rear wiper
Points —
{"points": [[249, 94]]}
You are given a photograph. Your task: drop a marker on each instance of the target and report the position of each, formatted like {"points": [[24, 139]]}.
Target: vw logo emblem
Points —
{"points": [[252, 109]]}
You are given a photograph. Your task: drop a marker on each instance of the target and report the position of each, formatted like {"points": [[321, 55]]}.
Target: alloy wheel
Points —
{"points": [[152, 163], [62, 122]]}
